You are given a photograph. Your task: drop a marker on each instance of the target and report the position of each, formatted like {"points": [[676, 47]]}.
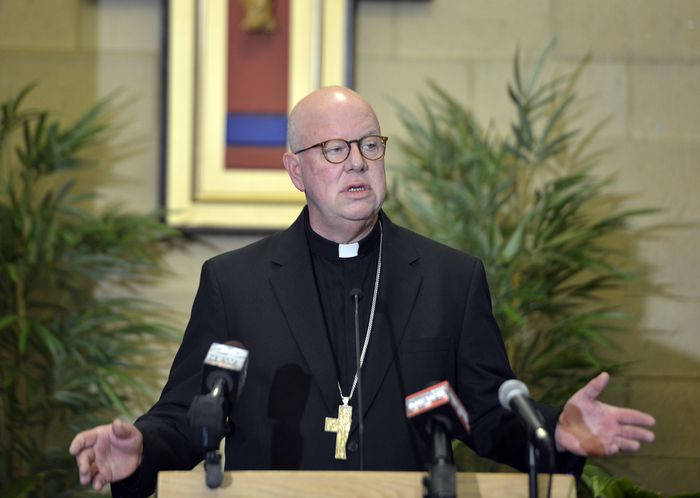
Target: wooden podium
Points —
{"points": [[324, 484]]}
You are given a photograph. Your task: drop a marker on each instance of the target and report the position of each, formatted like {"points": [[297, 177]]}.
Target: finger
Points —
{"points": [[94, 472], [82, 440], [637, 434], [76, 445], [612, 448], [85, 479], [635, 417], [98, 483], [629, 445], [85, 462]]}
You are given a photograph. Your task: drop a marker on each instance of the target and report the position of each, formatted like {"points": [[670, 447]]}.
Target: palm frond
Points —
{"points": [[71, 355], [532, 208]]}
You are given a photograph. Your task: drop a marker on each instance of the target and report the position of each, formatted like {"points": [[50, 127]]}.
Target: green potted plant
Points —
{"points": [[78, 344], [597, 483], [530, 205]]}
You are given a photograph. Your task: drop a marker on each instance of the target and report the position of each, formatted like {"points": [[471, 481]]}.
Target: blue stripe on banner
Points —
{"points": [[256, 129]]}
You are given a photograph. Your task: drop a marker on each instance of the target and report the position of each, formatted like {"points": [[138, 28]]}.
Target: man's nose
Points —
{"points": [[356, 159]]}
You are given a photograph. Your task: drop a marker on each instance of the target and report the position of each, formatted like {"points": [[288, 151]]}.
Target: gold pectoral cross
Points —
{"points": [[341, 427]]}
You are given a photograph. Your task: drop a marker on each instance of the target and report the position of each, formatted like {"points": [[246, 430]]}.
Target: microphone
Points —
{"points": [[356, 295], [437, 411], [514, 396], [437, 404], [224, 369], [223, 376]]}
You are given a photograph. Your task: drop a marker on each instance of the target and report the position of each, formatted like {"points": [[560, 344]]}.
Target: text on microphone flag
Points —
{"points": [[433, 397], [225, 356]]}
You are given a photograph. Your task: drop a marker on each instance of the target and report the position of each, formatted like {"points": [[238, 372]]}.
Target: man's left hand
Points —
{"points": [[588, 427]]}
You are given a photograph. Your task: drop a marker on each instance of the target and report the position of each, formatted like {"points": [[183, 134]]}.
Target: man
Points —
{"points": [[425, 316]]}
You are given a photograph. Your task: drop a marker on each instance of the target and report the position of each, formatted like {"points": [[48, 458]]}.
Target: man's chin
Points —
{"points": [[362, 209], [366, 213]]}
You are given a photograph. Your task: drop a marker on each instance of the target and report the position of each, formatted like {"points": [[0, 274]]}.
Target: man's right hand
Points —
{"points": [[107, 453]]}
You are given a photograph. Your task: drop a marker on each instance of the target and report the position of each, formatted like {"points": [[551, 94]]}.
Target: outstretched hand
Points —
{"points": [[107, 453], [588, 427]]}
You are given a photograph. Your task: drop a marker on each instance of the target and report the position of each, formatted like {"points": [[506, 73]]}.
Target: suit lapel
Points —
{"points": [[294, 287], [398, 289]]}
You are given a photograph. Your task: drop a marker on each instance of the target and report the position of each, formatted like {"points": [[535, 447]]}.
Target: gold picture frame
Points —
{"points": [[198, 191]]}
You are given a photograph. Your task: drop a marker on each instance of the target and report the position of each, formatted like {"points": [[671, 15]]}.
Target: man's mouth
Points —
{"points": [[356, 188]]}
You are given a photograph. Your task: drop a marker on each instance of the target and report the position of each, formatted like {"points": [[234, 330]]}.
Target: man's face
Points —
{"points": [[351, 191]]}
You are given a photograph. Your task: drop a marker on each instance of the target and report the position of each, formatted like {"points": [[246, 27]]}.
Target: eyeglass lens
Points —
{"points": [[337, 150]]}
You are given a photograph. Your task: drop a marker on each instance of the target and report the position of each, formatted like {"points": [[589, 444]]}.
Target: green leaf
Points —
{"points": [[532, 207], [7, 320], [72, 352], [515, 242], [19, 488], [24, 331]]}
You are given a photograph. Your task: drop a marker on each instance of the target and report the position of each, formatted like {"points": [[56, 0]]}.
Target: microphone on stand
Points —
{"points": [[356, 295], [437, 413], [223, 376], [514, 396]]}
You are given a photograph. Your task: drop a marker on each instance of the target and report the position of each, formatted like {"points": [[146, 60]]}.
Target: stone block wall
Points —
{"points": [[644, 78]]}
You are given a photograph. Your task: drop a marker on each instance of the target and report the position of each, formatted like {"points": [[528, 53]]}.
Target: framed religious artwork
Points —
{"points": [[234, 68]]}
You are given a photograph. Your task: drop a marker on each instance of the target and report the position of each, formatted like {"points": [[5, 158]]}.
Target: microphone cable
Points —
{"points": [[356, 295]]}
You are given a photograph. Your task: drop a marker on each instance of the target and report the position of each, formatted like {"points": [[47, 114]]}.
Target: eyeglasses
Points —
{"points": [[337, 150]]}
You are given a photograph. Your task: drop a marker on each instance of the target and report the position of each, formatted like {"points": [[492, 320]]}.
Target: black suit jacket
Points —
{"points": [[433, 322]]}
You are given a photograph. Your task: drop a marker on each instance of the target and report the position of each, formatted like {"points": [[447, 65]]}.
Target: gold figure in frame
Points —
{"points": [[258, 16]]}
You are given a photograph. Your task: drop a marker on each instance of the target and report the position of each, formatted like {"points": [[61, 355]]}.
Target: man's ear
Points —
{"points": [[293, 167]]}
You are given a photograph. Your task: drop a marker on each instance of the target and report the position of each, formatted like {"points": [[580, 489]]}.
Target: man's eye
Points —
{"points": [[335, 149]]}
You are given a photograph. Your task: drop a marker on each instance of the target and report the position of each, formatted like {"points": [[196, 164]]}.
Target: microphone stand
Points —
{"points": [[441, 482], [539, 441], [356, 295], [212, 469], [532, 473], [212, 457], [208, 424]]}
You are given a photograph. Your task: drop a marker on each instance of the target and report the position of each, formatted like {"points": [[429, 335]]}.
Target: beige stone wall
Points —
{"points": [[644, 75], [78, 51]]}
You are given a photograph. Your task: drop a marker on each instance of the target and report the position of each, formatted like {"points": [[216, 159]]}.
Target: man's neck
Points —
{"points": [[348, 232]]}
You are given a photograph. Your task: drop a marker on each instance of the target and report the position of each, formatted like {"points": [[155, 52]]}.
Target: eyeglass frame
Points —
{"points": [[349, 143]]}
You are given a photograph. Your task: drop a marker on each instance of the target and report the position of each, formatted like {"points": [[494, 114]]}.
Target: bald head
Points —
{"points": [[343, 197], [306, 120]]}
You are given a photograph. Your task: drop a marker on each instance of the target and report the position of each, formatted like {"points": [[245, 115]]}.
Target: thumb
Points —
{"points": [[593, 389], [121, 429]]}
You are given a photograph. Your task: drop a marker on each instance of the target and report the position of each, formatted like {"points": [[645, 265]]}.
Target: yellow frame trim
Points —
{"points": [[200, 192]]}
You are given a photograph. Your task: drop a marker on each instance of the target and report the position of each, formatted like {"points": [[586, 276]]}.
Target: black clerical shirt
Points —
{"points": [[335, 278]]}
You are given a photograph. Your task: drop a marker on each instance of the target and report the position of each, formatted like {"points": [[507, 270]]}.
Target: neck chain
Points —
{"points": [[346, 399], [341, 425]]}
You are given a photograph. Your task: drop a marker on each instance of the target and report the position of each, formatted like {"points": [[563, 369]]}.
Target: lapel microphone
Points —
{"points": [[356, 295]]}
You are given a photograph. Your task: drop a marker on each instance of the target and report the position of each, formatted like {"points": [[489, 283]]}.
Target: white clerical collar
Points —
{"points": [[348, 250]]}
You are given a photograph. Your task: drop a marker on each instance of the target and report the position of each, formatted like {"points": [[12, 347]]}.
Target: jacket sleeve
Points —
{"points": [[482, 366]]}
